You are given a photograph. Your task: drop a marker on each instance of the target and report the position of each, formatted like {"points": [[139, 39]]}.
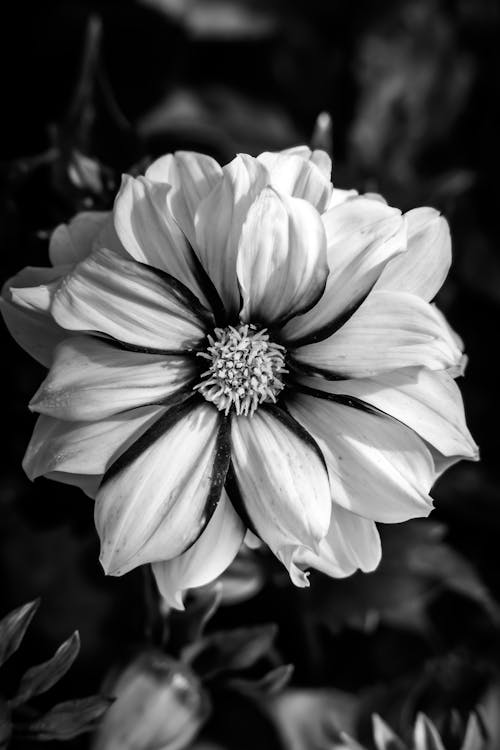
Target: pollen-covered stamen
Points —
{"points": [[244, 369]]}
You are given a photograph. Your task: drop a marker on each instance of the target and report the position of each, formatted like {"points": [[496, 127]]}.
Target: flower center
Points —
{"points": [[244, 369]]}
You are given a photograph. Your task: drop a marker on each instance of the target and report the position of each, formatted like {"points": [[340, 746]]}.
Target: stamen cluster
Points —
{"points": [[244, 369]]}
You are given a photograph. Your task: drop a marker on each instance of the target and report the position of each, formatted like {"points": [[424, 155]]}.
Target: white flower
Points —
{"points": [[241, 348]]}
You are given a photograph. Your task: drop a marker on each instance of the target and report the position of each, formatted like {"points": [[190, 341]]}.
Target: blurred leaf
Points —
{"points": [[13, 627], [229, 651], [69, 719], [385, 738], [417, 565], [42, 677], [273, 682]]}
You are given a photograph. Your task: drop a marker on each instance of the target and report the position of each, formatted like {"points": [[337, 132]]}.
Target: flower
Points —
{"points": [[243, 351], [160, 703]]}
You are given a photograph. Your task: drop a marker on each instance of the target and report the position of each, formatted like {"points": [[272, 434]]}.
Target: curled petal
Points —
{"points": [[283, 484], [147, 228], [84, 448], [352, 543], [390, 330], [428, 402], [206, 560], [295, 176], [191, 177], [109, 294], [72, 242], [25, 307], [156, 498], [378, 468], [424, 267], [281, 261], [362, 236], [90, 380], [219, 220]]}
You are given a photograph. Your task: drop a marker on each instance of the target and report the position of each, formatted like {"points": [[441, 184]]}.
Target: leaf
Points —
{"points": [[273, 682], [229, 651], [69, 719], [13, 627], [416, 567], [42, 677]]}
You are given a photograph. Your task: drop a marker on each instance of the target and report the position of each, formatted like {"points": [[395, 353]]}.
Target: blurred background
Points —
{"points": [[93, 89]]}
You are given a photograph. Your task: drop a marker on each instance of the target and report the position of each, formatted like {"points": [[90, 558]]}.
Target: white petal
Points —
{"points": [[390, 330], [219, 220], [90, 380], [25, 305], [128, 301], [191, 176], [281, 261], [428, 402], [84, 448], [70, 243], [423, 269], [206, 560], [283, 483], [378, 468], [352, 543], [88, 483], [36, 333], [147, 228], [153, 505], [292, 175], [361, 238]]}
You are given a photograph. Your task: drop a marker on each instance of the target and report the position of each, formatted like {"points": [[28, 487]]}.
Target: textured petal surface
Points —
{"points": [[281, 261], [149, 232], [283, 483], [128, 301], [378, 468], [152, 505], [362, 236], [219, 221], [84, 447], [207, 559], [92, 380], [423, 269], [295, 176], [191, 176], [390, 330], [428, 402]]}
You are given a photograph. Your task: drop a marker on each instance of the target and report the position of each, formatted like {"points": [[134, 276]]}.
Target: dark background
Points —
{"points": [[412, 88]]}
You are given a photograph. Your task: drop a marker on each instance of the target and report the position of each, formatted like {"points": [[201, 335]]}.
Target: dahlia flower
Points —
{"points": [[243, 352]]}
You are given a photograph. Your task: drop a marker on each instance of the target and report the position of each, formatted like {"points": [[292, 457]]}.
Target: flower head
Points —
{"points": [[243, 348]]}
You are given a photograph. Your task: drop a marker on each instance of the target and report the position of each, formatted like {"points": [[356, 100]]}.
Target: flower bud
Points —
{"points": [[160, 705]]}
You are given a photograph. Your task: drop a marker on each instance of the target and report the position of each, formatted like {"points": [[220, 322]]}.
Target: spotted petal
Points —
{"points": [[158, 497], [91, 380], [283, 484], [281, 262], [109, 294], [207, 559], [378, 468], [390, 330]]}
